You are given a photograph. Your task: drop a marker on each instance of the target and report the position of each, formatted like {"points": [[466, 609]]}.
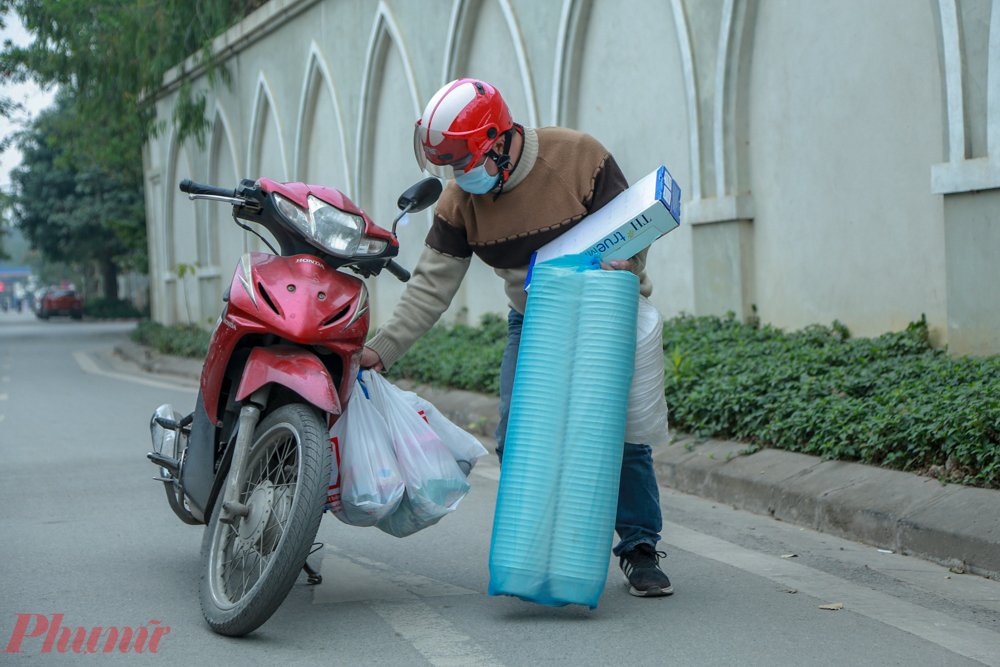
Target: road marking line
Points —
{"points": [[952, 634], [436, 639], [87, 365], [358, 579], [395, 595]]}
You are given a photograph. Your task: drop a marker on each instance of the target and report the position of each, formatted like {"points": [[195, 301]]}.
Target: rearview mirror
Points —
{"points": [[420, 195]]}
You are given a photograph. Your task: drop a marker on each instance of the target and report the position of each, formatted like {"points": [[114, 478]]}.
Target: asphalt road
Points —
{"points": [[85, 533]]}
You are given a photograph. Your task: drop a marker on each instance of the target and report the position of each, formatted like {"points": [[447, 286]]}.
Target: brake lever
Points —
{"points": [[235, 201]]}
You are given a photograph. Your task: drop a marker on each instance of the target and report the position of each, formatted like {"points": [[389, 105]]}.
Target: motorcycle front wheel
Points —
{"points": [[251, 565]]}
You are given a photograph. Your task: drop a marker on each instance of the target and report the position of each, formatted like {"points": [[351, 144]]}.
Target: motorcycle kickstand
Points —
{"points": [[314, 576]]}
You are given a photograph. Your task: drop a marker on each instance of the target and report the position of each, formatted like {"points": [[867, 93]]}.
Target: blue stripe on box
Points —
{"points": [[675, 202], [659, 184], [531, 267]]}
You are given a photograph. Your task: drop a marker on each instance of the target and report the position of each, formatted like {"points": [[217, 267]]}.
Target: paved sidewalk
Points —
{"points": [[951, 524]]}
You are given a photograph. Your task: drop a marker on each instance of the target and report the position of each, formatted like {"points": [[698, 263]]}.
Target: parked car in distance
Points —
{"points": [[57, 301]]}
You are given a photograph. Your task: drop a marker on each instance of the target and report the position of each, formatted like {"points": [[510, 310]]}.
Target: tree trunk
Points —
{"points": [[109, 276]]}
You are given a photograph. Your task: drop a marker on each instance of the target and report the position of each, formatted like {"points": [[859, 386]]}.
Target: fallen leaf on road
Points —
{"points": [[790, 556], [958, 570], [832, 607], [789, 590]]}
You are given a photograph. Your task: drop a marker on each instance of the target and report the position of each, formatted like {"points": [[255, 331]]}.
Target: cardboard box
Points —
{"points": [[627, 224]]}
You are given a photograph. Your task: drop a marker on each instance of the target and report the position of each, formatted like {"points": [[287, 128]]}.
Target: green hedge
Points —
{"points": [[178, 340], [105, 308], [892, 400], [460, 356]]}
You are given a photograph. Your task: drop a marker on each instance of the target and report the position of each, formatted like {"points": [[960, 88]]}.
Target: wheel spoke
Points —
{"points": [[271, 476]]}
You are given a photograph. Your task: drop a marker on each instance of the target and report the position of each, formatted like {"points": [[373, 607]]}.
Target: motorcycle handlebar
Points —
{"points": [[193, 188], [397, 270]]}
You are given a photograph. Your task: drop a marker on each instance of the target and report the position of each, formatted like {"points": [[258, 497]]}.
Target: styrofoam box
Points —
{"points": [[627, 224]]}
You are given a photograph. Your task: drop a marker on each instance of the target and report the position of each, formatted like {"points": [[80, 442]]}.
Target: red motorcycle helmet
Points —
{"points": [[459, 125]]}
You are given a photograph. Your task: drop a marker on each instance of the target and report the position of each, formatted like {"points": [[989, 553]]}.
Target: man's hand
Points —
{"points": [[370, 359], [618, 265]]}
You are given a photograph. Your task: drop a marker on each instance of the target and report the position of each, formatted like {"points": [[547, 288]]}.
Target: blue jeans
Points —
{"points": [[638, 519]]}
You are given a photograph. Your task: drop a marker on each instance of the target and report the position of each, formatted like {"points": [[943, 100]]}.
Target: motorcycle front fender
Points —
{"points": [[198, 473], [292, 367]]}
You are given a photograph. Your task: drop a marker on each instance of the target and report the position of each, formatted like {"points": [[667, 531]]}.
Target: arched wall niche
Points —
{"points": [[229, 241], [972, 138], [993, 87], [576, 29], [731, 101], [469, 32], [181, 233], [385, 36], [267, 146], [266, 155], [475, 35], [321, 135], [805, 123], [600, 38], [390, 102]]}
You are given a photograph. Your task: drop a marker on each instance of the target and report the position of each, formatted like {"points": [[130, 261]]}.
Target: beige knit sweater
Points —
{"points": [[561, 176]]}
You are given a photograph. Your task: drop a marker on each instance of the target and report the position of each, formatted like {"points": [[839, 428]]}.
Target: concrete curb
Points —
{"points": [[154, 362], [949, 524]]}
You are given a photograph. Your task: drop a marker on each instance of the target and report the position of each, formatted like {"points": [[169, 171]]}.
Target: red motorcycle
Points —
{"points": [[253, 460]]}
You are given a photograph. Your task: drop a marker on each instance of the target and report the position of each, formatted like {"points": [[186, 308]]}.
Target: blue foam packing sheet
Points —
{"points": [[558, 495]]}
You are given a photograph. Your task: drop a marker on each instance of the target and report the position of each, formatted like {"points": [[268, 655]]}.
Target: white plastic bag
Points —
{"points": [[647, 407], [464, 446], [365, 481], [403, 522], [434, 482]]}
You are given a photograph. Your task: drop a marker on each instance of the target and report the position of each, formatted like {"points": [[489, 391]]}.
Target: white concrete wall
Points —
{"points": [[843, 131], [825, 136]]}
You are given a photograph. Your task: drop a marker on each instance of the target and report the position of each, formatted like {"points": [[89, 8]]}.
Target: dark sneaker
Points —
{"points": [[643, 575]]}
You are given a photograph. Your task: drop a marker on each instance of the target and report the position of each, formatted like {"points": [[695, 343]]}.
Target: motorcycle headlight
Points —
{"points": [[336, 231]]}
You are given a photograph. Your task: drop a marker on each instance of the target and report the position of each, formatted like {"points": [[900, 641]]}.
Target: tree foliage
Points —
{"points": [[111, 57], [72, 214], [108, 59]]}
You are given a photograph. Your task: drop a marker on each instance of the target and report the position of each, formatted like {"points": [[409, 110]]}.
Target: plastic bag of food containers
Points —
{"points": [[434, 482], [366, 484], [464, 446]]}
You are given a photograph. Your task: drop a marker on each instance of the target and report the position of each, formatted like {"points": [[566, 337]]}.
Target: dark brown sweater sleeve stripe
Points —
{"points": [[448, 239], [609, 182]]}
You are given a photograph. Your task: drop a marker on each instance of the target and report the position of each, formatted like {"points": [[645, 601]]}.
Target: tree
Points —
{"points": [[111, 56], [74, 214], [108, 59], [6, 205]]}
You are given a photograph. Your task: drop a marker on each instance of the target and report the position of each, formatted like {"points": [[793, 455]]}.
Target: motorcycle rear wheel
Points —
{"points": [[251, 565]]}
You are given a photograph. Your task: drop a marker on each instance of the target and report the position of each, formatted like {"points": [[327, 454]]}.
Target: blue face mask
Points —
{"points": [[476, 181]]}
